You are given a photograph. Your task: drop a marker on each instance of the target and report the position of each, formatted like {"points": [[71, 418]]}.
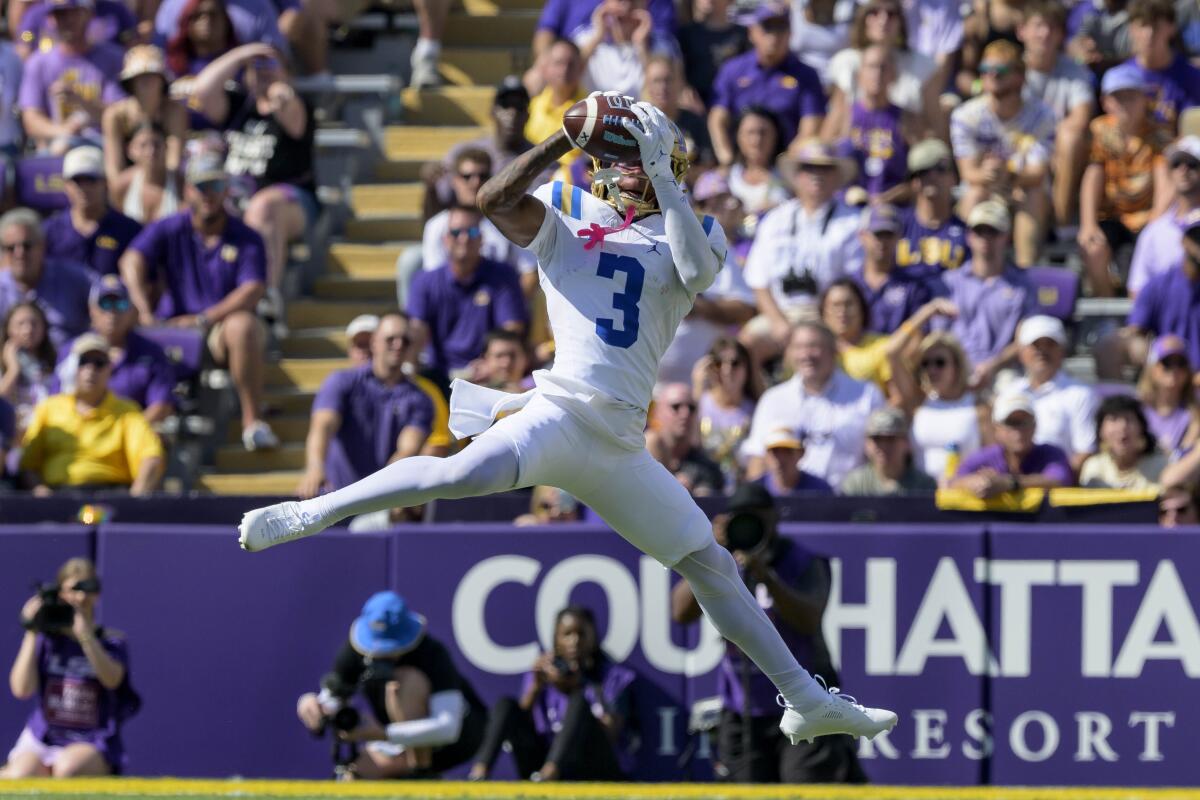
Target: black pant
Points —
{"points": [[773, 759], [581, 749]]}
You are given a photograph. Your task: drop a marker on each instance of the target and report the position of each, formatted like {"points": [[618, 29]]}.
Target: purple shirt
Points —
{"points": [[73, 706], [61, 293], [791, 91], [101, 251], [372, 416], [1169, 430], [1159, 248], [144, 374], [988, 309], [925, 252], [895, 301], [112, 23], [1043, 459], [877, 146], [564, 17], [1170, 303], [460, 316], [199, 277], [609, 682], [1176, 88], [253, 21], [808, 484], [92, 76]]}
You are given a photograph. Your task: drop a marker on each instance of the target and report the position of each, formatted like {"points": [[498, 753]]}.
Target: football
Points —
{"points": [[596, 126]]}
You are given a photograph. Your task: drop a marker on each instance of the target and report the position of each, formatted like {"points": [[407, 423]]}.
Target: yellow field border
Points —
{"points": [[101, 787]]}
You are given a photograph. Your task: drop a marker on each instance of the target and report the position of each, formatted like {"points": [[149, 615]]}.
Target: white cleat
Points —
{"points": [[283, 522], [839, 713]]}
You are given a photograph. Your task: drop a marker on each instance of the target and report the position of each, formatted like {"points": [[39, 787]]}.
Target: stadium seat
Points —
{"points": [[1057, 289]]}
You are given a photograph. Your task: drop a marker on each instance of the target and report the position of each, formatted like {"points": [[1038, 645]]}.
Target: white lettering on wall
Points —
{"points": [[1165, 603], [467, 612], [1017, 736], [876, 616], [1016, 580], [979, 744], [1151, 719], [1094, 728], [1097, 579], [945, 599], [930, 733]]}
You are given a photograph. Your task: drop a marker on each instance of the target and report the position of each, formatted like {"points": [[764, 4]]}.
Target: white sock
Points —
{"points": [[426, 49], [712, 574]]}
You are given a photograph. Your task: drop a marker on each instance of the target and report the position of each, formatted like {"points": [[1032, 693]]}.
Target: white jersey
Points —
{"points": [[613, 309]]}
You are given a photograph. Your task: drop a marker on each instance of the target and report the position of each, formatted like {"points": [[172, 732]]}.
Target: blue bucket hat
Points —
{"points": [[386, 627]]}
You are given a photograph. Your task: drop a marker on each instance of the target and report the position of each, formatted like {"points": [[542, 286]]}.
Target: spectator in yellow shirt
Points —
{"points": [[562, 70], [90, 438]]}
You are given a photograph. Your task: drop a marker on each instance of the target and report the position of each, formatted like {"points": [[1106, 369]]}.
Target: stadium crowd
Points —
{"points": [[900, 183]]}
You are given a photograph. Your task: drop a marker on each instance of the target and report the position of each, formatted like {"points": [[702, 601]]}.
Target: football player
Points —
{"points": [[620, 268]]}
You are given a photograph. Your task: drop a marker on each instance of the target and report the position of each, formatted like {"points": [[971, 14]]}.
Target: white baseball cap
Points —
{"points": [[1041, 326], [1006, 405], [363, 323], [86, 160]]}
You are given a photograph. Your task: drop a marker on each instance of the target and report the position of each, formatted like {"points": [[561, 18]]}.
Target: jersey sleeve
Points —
{"points": [[561, 200]]}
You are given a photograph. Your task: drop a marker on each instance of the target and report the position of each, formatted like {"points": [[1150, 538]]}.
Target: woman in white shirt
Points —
{"points": [[147, 190], [882, 22], [1129, 457], [948, 421], [753, 178]]}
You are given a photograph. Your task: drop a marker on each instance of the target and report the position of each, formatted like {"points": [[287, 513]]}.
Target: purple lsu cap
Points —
{"points": [[772, 9], [709, 185], [107, 286], [883, 218], [1166, 346]]}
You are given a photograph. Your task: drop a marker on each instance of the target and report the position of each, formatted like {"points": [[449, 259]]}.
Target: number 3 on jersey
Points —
{"points": [[624, 301]]}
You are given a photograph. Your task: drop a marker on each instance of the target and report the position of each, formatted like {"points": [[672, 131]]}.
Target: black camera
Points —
{"points": [[337, 714], [745, 531], [56, 615], [564, 668], [804, 283]]}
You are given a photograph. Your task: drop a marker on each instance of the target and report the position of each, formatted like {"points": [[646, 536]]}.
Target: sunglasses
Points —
{"points": [[691, 407], [472, 232], [93, 360], [821, 169], [1175, 362], [480, 176], [999, 70], [937, 362], [87, 585], [936, 169], [780, 25], [210, 187], [85, 180], [1020, 422], [26, 245], [116, 304], [985, 230], [1185, 162]]}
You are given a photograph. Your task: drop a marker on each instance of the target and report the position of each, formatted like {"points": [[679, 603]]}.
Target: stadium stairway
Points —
{"points": [[485, 40]]}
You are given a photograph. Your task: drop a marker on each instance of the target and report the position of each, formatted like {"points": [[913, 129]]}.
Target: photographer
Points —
{"points": [[426, 717], [792, 586], [80, 673], [571, 718]]}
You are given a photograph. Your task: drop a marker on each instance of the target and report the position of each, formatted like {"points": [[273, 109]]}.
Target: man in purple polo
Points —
{"points": [[456, 305], [90, 232], [792, 586], [1014, 462], [892, 296], [60, 288], [366, 417], [933, 238], [64, 89], [769, 76], [1175, 82], [1160, 244], [992, 296], [141, 371], [205, 270], [1170, 302]]}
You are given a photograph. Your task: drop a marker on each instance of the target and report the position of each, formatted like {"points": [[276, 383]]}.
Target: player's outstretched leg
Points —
{"points": [[809, 709], [485, 466]]}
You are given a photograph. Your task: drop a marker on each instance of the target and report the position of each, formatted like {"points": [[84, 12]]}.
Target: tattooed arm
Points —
{"points": [[503, 198]]}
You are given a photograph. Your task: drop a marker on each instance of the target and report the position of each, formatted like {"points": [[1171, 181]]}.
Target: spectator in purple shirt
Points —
{"points": [[783, 478], [457, 304], [991, 295], [90, 231], [206, 270], [768, 76], [64, 89], [570, 720], [367, 416], [80, 676], [1160, 244], [60, 288], [792, 586], [933, 238], [1175, 82], [892, 295], [1014, 462], [1170, 302], [141, 371], [112, 23]]}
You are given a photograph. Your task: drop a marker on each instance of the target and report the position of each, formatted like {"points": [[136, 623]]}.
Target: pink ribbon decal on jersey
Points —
{"points": [[595, 234]]}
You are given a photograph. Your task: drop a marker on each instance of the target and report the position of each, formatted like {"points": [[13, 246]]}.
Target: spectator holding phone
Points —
{"points": [[79, 673]]}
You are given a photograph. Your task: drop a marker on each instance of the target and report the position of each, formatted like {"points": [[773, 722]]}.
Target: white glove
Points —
{"points": [[656, 140]]}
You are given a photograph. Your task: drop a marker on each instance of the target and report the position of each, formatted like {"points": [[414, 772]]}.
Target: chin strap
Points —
{"points": [[595, 234]]}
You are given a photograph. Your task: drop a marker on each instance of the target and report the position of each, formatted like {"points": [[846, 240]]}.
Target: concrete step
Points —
{"points": [[235, 458], [426, 142], [258, 483], [344, 287], [315, 343], [387, 199], [391, 228], [482, 66], [285, 401], [396, 170], [511, 28], [290, 429], [449, 105], [301, 373], [491, 8], [366, 260], [324, 314]]}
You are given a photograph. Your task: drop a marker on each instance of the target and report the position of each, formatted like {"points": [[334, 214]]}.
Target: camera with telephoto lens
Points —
{"points": [[564, 668], [745, 531], [336, 712], [55, 614]]}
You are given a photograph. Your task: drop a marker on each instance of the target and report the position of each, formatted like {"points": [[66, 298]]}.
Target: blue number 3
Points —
{"points": [[626, 302]]}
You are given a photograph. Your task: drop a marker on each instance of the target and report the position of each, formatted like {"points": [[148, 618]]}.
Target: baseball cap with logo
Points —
{"points": [[206, 166], [709, 185], [1125, 76], [511, 88], [769, 10], [108, 286], [1041, 326], [1006, 405], [883, 218], [783, 439], [887, 422], [89, 343], [1165, 347], [991, 214], [83, 161], [928, 154]]}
